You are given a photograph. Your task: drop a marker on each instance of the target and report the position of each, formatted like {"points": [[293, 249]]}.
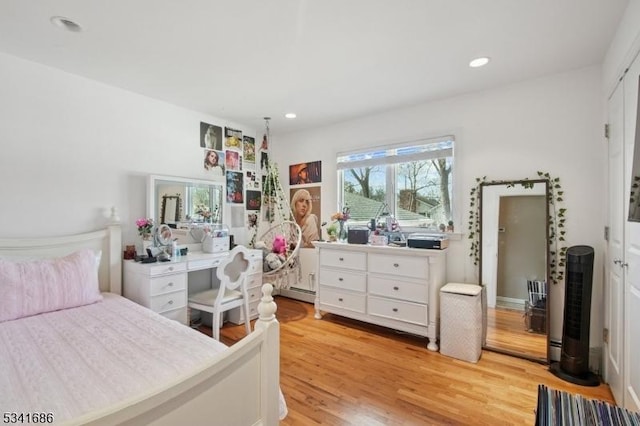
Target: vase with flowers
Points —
{"points": [[341, 218], [145, 229]]}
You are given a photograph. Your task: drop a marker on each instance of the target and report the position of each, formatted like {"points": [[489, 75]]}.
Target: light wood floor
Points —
{"points": [[337, 371], [506, 331]]}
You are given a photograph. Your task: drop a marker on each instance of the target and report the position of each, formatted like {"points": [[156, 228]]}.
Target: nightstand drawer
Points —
{"points": [[402, 311], [343, 259], [413, 292], [168, 283], [342, 299], [406, 266], [167, 268], [343, 279], [169, 301]]}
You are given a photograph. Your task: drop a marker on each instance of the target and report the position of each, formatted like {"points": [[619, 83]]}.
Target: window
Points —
{"points": [[411, 182]]}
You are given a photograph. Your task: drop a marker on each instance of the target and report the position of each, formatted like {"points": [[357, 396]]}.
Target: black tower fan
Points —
{"points": [[574, 358]]}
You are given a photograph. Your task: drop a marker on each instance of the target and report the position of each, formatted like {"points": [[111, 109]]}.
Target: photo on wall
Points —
{"points": [[305, 205], [232, 160], [303, 173], [254, 200], [210, 136], [249, 149], [235, 188], [264, 154], [251, 180], [232, 138], [252, 221], [214, 162]]}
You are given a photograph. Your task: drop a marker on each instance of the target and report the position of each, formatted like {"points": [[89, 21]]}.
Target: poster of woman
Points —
{"points": [[210, 136], [305, 205], [302, 173]]}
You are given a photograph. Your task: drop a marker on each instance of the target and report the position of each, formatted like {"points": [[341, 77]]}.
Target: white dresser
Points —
{"points": [[393, 287], [163, 286]]}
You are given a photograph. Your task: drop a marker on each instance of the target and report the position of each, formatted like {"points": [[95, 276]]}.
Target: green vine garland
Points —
{"points": [[557, 216]]}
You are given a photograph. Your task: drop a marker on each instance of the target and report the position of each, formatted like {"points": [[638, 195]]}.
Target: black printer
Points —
{"points": [[428, 241]]}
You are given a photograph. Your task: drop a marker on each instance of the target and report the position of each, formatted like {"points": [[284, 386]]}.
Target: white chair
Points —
{"points": [[231, 293]]}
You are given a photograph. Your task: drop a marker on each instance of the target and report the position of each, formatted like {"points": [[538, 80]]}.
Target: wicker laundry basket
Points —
{"points": [[461, 321]]}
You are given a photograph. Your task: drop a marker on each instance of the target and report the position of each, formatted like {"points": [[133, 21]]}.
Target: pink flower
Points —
{"points": [[144, 225]]}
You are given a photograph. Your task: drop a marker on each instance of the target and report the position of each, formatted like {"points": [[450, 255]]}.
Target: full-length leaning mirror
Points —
{"points": [[514, 266], [183, 203]]}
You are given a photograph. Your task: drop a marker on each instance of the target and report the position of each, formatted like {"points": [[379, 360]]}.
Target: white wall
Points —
{"points": [[552, 124], [73, 147]]}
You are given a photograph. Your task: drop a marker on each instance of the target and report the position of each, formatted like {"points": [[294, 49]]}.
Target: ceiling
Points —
{"points": [[326, 60]]}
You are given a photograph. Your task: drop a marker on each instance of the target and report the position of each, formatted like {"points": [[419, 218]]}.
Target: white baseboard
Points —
{"points": [[510, 303]]}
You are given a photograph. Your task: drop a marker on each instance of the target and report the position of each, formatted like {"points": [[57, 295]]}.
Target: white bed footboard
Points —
{"points": [[239, 387]]}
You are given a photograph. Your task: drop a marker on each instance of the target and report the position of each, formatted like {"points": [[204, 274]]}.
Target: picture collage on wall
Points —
{"points": [[242, 163]]}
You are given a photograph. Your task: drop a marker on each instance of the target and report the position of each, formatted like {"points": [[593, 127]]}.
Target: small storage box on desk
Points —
{"points": [[216, 238]]}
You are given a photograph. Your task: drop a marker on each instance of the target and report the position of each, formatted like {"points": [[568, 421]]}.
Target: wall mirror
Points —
{"points": [[514, 266], [184, 204]]}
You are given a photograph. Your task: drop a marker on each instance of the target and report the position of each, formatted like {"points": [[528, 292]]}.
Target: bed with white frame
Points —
{"points": [[239, 385]]}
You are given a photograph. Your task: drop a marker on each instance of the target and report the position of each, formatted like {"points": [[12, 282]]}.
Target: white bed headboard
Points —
{"points": [[108, 240]]}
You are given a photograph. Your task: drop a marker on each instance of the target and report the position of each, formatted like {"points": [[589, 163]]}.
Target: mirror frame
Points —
{"points": [[152, 202], [522, 182], [177, 213]]}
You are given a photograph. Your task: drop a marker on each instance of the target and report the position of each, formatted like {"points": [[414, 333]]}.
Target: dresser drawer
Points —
{"points": [[255, 256], [255, 266], [406, 266], [168, 283], [167, 268], [343, 259], [342, 299], [398, 289], [169, 301], [197, 264], [254, 280], [254, 294], [343, 279], [398, 310]]}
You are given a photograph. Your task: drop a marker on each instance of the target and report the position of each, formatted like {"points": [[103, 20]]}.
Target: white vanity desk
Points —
{"points": [[393, 287], [164, 286]]}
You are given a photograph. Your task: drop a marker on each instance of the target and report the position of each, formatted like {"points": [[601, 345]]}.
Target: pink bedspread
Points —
{"points": [[76, 360]]}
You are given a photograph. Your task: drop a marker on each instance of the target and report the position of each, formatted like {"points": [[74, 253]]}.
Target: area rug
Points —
{"points": [[562, 408]]}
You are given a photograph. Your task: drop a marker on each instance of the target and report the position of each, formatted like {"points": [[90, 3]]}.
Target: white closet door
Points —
{"points": [[631, 260], [614, 284]]}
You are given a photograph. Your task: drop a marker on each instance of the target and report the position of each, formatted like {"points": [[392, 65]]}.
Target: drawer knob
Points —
{"points": [[340, 299], [395, 309], [396, 288], [340, 279], [170, 284], [170, 268], [341, 259], [396, 265], [170, 302]]}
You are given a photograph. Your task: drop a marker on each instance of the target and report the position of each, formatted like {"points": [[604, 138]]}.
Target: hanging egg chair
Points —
{"points": [[278, 235]]}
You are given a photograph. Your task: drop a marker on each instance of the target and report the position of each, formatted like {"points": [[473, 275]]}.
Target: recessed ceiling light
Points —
{"points": [[66, 24], [479, 62], [290, 115]]}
